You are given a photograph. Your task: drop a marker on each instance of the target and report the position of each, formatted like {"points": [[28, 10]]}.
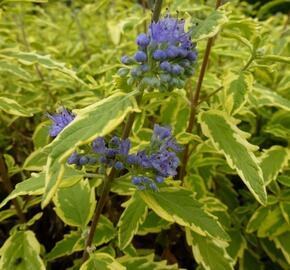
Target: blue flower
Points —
{"points": [[60, 121], [140, 56], [142, 40], [126, 60], [170, 31], [159, 55], [99, 145]]}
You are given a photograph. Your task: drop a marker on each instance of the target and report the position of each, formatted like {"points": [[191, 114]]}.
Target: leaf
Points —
{"points": [[250, 261], [153, 224], [277, 58], [236, 89], [210, 26], [270, 98], [10, 106], [285, 208], [30, 58], [109, 113], [75, 204], [231, 142], [4, 214], [145, 263], [273, 253], [14, 69], [35, 161], [210, 253], [237, 245], [102, 261], [134, 214], [21, 251], [273, 160], [74, 241], [282, 242], [257, 219], [273, 224], [36, 183], [239, 38], [179, 205], [64, 246]]}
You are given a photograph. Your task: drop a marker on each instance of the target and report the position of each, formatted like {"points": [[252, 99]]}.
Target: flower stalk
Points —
{"points": [[195, 99], [109, 178]]}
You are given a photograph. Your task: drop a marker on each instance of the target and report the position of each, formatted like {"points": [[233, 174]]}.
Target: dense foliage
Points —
{"points": [[103, 123]]}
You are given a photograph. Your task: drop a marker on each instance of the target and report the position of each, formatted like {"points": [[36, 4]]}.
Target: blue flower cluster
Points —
{"points": [[149, 166], [158, 161], [60, 121], [114, 153], [165, 56]]}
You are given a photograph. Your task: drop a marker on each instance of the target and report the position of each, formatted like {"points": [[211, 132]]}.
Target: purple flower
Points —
{"points": [[172, 51], [159, 55], [161, 133], [171, 31], [125, 146], [99, 145], [126, 60], [60, 121], [140, 56], [73, 158], [119, 165], [142, 40], [176, 69], [166, 66]]}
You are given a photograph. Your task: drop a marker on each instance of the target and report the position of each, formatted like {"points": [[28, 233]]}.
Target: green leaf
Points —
{"points": [[102, 261], [31, 186], [273, 224], [75, 204], [210, 253], [282, 242], [15, 70], [36, 183], [236, 88], [210, 26], [21, 252], [273, 161], [65, 247], [273, 253], [4, 214], [91, 122], [250, 261], [231, 141], [270, 98], [145, 263], [285, 208], [74, 241], [237, 245], [153, 224], [35, 161], [276, 58], [257, 219], [134, 214], [10, 106], [176, 205], [30, 58]]}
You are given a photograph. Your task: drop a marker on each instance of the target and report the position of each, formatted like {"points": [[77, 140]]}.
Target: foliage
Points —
{"points": [[232, 208]]}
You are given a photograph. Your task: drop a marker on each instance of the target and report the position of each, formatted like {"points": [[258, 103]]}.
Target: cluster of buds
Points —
{"points": [[165, 57], [149, 166]]}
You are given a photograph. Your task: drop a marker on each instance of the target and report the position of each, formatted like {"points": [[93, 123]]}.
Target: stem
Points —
{"points": [[112, 174], [9, 188], [157, 10], [194, 100]]}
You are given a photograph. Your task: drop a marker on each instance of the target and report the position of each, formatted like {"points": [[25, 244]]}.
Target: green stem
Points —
{"points": [[195, 98], [108, 179]]}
